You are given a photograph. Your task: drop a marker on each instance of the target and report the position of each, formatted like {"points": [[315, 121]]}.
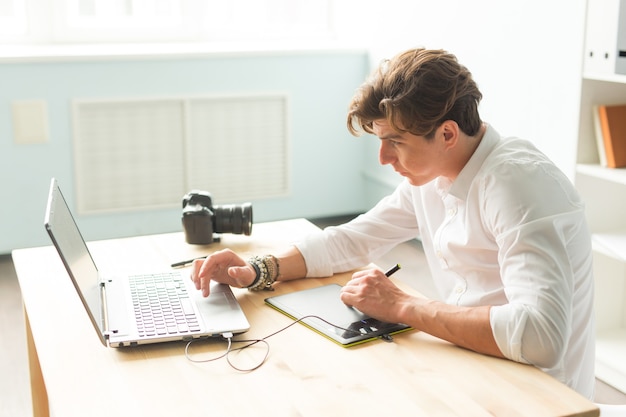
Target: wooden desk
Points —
{"points": [[305, 374]]}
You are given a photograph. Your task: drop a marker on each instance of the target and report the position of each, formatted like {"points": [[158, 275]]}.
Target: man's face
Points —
{"points": [[414, 157]]}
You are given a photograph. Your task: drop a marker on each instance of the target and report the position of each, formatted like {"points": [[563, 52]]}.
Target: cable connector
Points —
{"points": [[227, 335], [387, 338]]}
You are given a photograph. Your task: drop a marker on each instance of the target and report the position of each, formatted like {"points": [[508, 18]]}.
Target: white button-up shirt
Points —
{"points": [[509, 232]]}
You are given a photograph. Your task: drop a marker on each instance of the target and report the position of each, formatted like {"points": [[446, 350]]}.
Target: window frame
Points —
{"points": [[48, 25]]}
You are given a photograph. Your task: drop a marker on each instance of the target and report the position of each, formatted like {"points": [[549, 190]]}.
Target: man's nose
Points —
{"points": [[385, 154]]}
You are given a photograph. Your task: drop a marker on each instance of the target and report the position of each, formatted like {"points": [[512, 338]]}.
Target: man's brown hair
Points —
{"points": [[416, 91]]}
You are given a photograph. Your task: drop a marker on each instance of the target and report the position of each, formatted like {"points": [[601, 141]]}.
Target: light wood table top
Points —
{"points": [[73, 374]]}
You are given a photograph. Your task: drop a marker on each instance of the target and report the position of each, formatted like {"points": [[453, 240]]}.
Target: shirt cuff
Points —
{"points": [[508, 324]]}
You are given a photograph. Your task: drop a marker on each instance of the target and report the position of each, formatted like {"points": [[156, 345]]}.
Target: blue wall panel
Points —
{"points": [[326, 160]]}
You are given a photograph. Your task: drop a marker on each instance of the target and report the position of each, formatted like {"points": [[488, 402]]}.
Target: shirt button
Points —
{"points": [[459, 289], [451, 212]]}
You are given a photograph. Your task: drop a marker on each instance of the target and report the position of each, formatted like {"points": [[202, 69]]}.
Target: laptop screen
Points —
{"points": [[74, 252]]}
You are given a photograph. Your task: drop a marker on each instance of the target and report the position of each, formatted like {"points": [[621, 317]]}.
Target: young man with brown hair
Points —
{"points": [[503, 229]]}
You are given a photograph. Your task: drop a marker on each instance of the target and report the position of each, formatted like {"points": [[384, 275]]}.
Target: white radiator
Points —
{"points": [[135, 154]]}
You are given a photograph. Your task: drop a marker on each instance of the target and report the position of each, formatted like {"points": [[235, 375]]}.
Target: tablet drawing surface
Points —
{"points": [[342, 324]]}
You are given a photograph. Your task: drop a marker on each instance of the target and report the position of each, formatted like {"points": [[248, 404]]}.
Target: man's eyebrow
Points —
{"points": [[390, 136]]}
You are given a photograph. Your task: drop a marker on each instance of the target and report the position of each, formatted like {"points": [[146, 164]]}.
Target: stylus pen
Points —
{"points": [[392, 270], [187, 262]]}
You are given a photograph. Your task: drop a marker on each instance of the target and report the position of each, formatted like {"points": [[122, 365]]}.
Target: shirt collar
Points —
{"points": [[460, 186]]}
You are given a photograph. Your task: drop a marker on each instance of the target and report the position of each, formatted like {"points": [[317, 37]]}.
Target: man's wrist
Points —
{"points": [[267, 271]]}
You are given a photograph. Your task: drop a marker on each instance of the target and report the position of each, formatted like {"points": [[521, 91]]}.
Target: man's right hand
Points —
{"points": [[225, 267]]}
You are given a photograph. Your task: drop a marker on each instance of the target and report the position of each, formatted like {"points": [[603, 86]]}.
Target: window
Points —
{"points": [[115, 14], [12, 18], [83, 21], [122, 20], [267, 19]]}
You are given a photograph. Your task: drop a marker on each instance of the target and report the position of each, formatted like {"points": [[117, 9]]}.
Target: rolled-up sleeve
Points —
{"points": [[537, 262], [369, 236]]}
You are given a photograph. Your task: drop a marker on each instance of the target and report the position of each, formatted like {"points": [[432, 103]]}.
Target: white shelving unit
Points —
{"points": [[604, 190]]}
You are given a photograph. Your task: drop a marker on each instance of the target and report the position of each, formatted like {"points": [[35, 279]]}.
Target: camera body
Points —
{"points": [[202, 220]]}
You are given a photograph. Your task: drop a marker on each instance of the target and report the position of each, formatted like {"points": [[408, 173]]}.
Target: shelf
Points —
{"points": [[611, 244], [616, 175], [603, 189], [610, 363], [611, 78]]}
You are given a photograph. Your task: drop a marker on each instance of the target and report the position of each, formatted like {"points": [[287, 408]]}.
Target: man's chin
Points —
{"points": [[416, 182]]}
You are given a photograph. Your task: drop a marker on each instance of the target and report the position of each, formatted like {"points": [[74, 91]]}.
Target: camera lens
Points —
{"points": [[233, 218]]}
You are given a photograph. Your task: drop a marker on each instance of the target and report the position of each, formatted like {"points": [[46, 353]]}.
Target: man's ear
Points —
{"points": [[450, 131]]}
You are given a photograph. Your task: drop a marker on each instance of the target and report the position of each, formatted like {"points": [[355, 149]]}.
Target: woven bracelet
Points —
{"points": [[257, 270], [265, 276]]}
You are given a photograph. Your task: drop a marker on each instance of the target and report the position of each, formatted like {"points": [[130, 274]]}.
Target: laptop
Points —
{"points": [[135, 309]]}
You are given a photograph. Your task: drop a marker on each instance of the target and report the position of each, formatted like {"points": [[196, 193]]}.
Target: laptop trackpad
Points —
{"points": [[220, 311], [220, 299]]}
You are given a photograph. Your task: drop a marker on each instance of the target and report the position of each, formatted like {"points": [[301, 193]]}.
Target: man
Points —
{"points": [[502, 228]]}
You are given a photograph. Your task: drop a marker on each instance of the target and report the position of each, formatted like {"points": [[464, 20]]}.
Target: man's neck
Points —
{"points": [[469, 144]]}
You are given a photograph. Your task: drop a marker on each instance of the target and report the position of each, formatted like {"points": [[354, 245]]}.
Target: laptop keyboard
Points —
{"points": [[162, 305]]}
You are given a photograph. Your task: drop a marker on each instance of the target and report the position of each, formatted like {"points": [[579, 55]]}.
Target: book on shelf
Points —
{"points": [[599, 139], [610, 129]]}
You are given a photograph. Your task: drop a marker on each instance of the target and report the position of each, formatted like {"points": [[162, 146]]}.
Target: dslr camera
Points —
{"points": [[201, 219]]}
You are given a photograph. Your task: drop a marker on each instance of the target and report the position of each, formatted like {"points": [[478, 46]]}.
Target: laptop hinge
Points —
{"points": [[103, 310]]}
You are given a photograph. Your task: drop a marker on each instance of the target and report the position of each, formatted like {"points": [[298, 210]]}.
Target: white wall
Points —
{"points": [[526, 57]]}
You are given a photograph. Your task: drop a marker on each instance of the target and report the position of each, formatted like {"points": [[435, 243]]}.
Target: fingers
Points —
{"points": [[365, 278], [354, 290], [197, 278], [371, 292], [224, 267], [346, 296], [195, 272], [203, 271]]}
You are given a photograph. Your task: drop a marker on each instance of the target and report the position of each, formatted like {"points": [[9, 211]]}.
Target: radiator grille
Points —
{"points": [[147, 153]]}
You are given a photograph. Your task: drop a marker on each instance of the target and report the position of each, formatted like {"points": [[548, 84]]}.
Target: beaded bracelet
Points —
{"points": [[267, 270], [273, 268]]}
